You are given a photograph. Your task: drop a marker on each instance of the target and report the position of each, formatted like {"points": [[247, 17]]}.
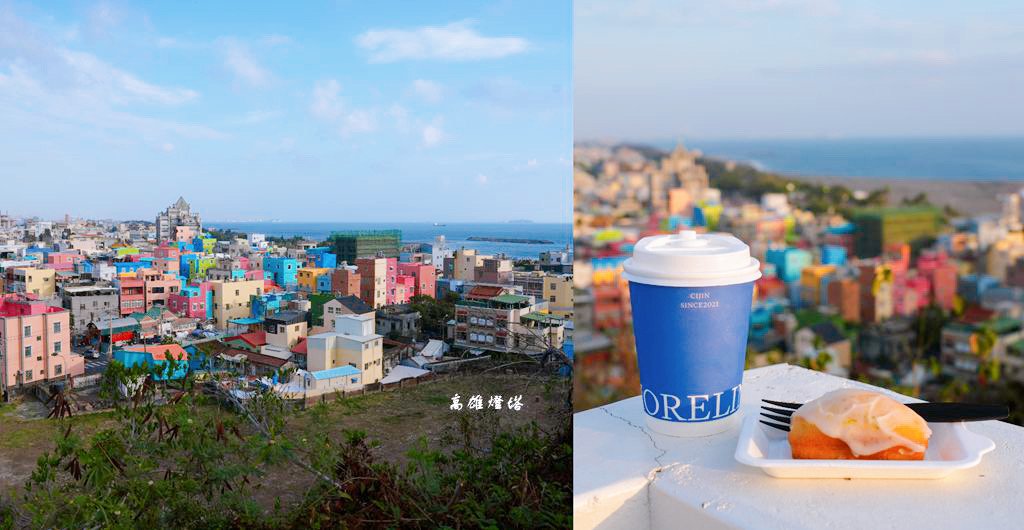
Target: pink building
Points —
{"points": [[63, 261], [405, 287], [167, 260], [132, 295], [425, 277], [944, 280], [184, 234], [190, 301], [392, 278], [921, 287], [941, 274], [159, 287], [257, 274], [35, 340]]}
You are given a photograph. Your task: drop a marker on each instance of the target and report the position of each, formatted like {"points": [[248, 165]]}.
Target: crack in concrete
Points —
{"points": [[657, 459]]}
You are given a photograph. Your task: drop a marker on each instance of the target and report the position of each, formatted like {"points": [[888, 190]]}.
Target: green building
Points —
{"points": [[353, 244], [878, 228]]}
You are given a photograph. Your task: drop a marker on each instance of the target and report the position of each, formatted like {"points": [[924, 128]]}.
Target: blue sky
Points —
{"points": [[663, 69], [299, 111]]}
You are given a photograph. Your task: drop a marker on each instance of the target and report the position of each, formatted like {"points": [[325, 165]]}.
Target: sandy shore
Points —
{"points": [[968, 198]]}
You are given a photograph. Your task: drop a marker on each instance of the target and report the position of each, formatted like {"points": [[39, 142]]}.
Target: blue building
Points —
{"points": [[789, 262], [282, 270], [323, 283], [972, 286], [123, 267], [450, 285], [270, 303], [833, 255], [157, 358], [321, 258]]}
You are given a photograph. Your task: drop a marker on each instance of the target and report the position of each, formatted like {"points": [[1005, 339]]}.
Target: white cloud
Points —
{"points": [[119, 85], [52, 88], [359, 121], [429, 91], [457, 41], [328, 106], [482, 179], [432, 133], [326, 103], [241, 62], [167, 147], [531, 162]]}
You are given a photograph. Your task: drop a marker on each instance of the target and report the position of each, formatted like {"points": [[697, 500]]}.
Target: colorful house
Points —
{"points": [[321, 257], [789, 262], [425, 278], [252, 341], [193, 301], [307, 278], [158, 358], [35, 339], [811, 281], [283, 270]]}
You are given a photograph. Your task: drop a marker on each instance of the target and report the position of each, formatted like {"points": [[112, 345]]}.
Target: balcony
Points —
{"points": [[626, 476]]}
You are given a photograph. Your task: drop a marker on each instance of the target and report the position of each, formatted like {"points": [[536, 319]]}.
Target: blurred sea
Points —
{"points": [[978, 159]]}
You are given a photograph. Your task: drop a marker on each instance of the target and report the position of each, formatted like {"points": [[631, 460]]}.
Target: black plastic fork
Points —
{"points": [[931, 412]]}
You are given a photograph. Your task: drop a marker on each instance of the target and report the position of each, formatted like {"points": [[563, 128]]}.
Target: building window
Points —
{"points": [[28, 331], [56, 327], [28, 375], [28, 351], [57, 370], [56, 347]]}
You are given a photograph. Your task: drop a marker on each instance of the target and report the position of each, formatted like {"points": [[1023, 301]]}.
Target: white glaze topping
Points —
{"points": [[866, 421]]}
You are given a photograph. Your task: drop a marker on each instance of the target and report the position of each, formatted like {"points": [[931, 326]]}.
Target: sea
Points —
{"points": [[456, 234], [963, 159]]}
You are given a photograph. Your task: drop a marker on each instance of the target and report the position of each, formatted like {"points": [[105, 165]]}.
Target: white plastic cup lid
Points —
{"points": [[689, 259]]}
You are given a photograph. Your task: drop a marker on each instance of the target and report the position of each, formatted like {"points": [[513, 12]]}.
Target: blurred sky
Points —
{"points": [[751, 69], [301, 111]]}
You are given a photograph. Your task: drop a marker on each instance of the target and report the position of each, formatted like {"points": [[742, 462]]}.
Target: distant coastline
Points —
{"points": [[998, 159], [511, 240], [550, 236], [967, 174]]}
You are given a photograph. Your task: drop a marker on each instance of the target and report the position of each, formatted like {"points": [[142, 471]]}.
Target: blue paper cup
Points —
{"points": [[690, 323]]}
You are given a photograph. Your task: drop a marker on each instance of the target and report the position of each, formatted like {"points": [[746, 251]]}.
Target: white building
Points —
{"points": [[177, 214], [258, 241]]}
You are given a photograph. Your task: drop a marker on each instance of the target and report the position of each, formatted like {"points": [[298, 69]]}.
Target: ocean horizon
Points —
{"points": [[956, 159], [456, 234]]}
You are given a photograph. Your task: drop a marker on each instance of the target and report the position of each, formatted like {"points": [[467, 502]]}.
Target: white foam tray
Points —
{"points": [[950, 448]]}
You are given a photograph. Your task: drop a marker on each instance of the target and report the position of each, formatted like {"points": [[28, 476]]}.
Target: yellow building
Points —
{"points": [[40, 282], [558, 293], [232, 299], [810, 282], [353, 342], [1003, 254], [306, 277], [466, 262]]}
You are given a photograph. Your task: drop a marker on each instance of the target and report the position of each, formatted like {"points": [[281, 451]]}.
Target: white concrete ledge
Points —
{"points": [[626, 476]]}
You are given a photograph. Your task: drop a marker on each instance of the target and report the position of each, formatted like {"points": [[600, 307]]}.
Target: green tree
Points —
{"points": [[984, 339], [434, 314]]}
